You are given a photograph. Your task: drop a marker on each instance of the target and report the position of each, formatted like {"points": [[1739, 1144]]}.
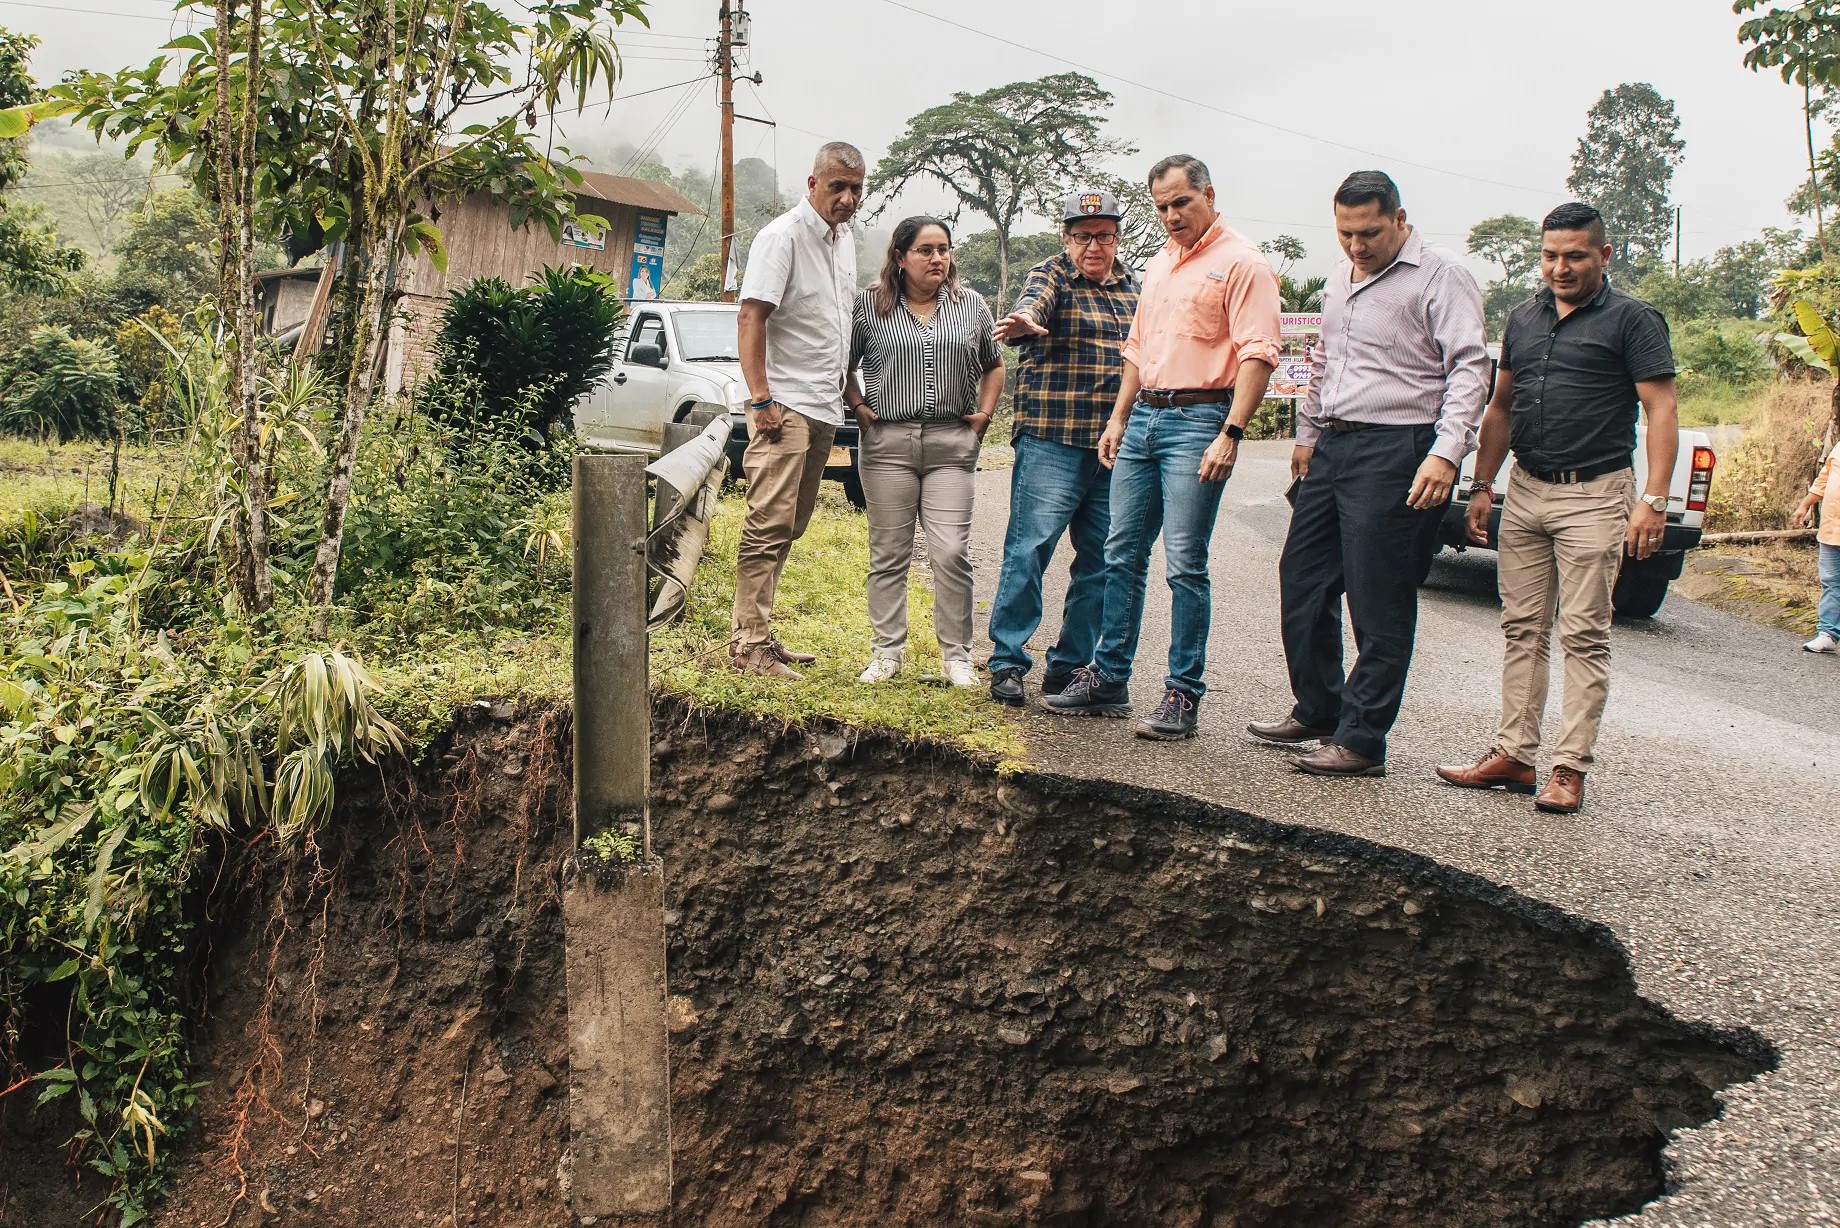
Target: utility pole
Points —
{"points": [[734, 34]]}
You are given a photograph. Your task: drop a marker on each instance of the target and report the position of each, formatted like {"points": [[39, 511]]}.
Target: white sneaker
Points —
{"points": [[881, 669], [1822, 642], [961, 673]]}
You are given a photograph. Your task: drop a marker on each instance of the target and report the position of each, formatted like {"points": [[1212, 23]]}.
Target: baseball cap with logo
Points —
{"points": [[1081, 205]]}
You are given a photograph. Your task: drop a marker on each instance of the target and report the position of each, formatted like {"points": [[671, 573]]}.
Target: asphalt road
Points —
{"points": [[1708, 845]]}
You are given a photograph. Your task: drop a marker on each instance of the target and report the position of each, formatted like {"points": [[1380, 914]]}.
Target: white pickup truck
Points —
{"points": [[1641, 585], [673, 360]]}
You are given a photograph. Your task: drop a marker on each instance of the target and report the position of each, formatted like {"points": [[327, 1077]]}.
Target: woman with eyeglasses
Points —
{"points": [[930, 375]]}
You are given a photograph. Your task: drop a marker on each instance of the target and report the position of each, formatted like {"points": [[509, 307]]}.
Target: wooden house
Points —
{"points": [[481, 242]]}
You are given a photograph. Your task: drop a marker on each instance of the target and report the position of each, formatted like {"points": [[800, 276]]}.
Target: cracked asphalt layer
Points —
{"points": [[1708, 842]]}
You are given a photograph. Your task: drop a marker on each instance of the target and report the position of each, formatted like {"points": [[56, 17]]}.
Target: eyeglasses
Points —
{"points": [[927, 253], [1081, 239]]}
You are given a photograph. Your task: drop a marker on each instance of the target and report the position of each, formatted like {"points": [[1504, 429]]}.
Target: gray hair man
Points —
{"points": [[794, 336]]}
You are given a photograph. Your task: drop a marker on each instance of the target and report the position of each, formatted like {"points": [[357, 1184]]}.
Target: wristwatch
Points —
{"points": [[1233, 432], [1658, 502]]}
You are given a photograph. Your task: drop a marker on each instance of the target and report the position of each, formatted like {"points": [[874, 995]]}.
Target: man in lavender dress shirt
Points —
{"points": [[1396, 394]]}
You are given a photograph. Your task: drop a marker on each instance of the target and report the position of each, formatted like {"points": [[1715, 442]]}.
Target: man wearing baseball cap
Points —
{"points": [[1069, 326]]}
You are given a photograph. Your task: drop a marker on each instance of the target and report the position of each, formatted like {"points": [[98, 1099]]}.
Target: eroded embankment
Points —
{"points": [[911, 994]]}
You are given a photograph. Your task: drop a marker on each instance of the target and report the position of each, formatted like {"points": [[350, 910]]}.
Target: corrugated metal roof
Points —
{"points": [[640, 193]]}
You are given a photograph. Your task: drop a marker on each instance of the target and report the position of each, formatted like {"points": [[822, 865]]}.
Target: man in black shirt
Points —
{"points": [[1575, 359]]}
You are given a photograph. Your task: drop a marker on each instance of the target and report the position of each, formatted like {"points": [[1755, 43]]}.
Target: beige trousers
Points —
{"points": [[783, 477], [1561, 546], [925, 470]]}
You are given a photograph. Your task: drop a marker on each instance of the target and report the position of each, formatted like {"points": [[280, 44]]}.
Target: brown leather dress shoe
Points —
{"points": [[1333, 760], [787, 656], [761, 659], [1564, 792], [1287, 732], [1494, 770]]}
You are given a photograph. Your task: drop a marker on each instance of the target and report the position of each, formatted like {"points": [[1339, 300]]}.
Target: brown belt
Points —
{"points": [[1163, 398]]}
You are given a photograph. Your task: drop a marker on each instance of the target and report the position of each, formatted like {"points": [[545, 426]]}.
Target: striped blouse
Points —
{"points": [[912, 370]]}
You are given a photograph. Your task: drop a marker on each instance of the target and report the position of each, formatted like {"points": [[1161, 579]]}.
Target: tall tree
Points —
{"points": [[1802, 42], [1288, 250], [92, 192], [1513, 243], [362, 112], [1006, 153], [31, 259], [1624, 166]]}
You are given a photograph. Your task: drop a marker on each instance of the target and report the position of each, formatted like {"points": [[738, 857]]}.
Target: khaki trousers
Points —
{"points": [[925, 470], [783, 476], [1559, 552]]}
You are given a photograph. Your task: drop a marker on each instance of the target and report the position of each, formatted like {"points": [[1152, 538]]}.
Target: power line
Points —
{"points": [[1207, 106]]}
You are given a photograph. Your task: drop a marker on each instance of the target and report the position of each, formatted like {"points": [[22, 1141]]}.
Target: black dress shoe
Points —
{"points": [[1287, 732], [1006, 687], [1054, 682], [1333, 760]]}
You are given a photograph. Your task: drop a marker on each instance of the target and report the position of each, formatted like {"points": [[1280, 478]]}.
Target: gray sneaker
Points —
{"points": [[1173, 720]]}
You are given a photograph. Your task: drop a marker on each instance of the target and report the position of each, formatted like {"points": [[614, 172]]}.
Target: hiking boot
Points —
{"points": [[1055, 681], [1564, 792], [1006, 687], [1288, 732], [1173, 719], [762, 660], [1494, 770], [1087, 694]]}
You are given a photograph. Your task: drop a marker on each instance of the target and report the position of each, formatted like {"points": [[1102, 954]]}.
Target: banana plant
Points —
{"points": [[1818, 346]]}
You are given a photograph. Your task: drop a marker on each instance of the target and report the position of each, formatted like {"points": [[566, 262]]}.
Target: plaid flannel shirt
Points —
{"points": [[1067, 381]]}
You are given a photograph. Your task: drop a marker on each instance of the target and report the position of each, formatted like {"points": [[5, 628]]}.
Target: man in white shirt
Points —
{"points": [[794, 333]]}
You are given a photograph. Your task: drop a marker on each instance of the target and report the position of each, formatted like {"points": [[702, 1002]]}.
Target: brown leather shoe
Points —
{"points": [[761, 659], [1333, 760], [787, 656], [1494, 770], [1564, 792], [1287, 732]]}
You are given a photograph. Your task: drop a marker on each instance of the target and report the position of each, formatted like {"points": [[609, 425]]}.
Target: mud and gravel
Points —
{"points": [[908, 992]]}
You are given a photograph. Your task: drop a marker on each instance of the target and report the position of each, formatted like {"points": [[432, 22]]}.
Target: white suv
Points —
{"points": [[673, 360]]}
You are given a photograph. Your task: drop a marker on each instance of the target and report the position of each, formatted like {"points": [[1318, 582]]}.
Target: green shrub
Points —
{"points": [[127, 752], [1709, 352], [59, 385], [523, 356]]}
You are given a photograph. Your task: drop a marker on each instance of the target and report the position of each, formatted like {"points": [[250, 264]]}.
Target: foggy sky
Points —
{"points": [[1474, 106]]}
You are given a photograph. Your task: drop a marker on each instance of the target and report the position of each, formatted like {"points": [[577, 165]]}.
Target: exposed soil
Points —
{"points": [[1774, 584], [913, 994]]}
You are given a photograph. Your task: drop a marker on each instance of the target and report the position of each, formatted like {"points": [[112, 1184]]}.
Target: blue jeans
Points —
{"points": [[1054, 487], [1156, 488], [1829, 564]]}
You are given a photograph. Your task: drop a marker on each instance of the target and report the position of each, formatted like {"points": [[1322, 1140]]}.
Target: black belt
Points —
{"points": [[1344, 426], [1571, 477], [1164, 398]]}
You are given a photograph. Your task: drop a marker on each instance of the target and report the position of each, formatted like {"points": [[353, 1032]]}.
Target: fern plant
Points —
{"points": [[61, 386]]}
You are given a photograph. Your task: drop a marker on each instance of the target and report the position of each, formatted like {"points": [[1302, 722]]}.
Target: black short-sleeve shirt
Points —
{"points": [[1575, 379]]}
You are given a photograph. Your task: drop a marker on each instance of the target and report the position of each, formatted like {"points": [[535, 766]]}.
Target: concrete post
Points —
{"points": [[613, 916], [613, 728]]}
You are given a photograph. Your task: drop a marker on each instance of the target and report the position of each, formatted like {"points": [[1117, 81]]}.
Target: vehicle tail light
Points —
{"points": [[1699, 486]]}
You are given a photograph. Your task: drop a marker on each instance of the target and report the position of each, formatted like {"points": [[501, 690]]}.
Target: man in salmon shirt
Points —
{"points": [[1202, 347]]}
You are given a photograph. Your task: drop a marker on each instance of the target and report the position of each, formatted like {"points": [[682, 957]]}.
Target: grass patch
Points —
{"points": [[823, 608], [1708, 403], [1772, 583], [53, 478]]}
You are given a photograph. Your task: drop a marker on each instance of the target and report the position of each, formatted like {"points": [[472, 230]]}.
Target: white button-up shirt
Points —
{"points": [[808, 272]]}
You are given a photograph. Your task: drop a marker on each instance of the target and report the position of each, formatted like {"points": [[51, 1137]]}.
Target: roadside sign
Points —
{"points": [[574, 234], [648, 257], [1300, 325], [1291, 380]]}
